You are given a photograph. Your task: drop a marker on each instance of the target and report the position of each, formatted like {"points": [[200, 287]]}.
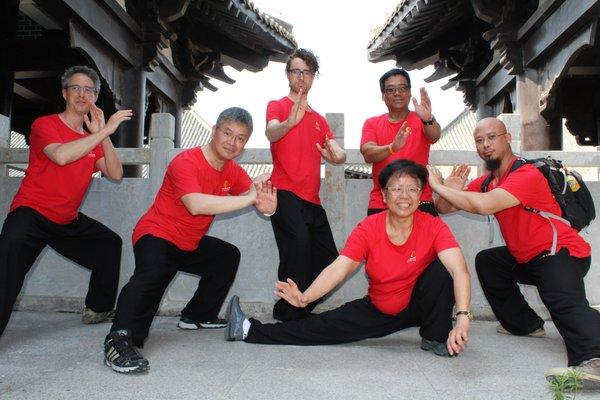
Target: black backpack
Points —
{"points": [[568, 188]]}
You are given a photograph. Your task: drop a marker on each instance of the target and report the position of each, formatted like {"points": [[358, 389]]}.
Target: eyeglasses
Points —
{"points": [[238, 137], [393, 89], [410, 190], [297, 72], [490, 138], [87, 90]]}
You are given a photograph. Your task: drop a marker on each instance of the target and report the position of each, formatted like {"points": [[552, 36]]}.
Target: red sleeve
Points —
{"points": [[275, 111], [184, 176], [368, 132], [241, 180], [327, 134], [443, 239], [475, 185], [42, 134], [357, 245], [526, 184]]}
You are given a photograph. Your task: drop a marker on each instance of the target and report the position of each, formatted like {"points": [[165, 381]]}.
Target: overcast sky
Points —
{"points": [[347, 82]]}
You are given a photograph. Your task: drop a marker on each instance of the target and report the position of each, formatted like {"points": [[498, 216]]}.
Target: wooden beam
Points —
{"points": [[28, 94], [565, 21], [113, 31], [37, 74]]}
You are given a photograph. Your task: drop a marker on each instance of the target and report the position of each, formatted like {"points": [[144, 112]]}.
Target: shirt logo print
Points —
{"points": [[91, 154], [413, 256], [317, 126], [226, 187]]}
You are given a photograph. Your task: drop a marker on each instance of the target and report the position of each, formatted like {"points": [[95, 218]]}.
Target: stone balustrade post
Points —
{"points": [[162, 136], [335, 184]]}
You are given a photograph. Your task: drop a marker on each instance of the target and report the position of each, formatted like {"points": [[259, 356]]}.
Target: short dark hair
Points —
{"points": [[305, 55], [80, 69], [403, 167], [236, 114], [390, 73]]}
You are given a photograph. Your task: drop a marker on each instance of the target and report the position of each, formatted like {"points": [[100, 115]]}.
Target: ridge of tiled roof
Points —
{"points": [[272, 22], [391, 17]]}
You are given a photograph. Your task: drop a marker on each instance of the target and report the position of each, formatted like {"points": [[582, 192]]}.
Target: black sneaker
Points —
{"points": [[121, 355], [438, 348], [186, 323]]}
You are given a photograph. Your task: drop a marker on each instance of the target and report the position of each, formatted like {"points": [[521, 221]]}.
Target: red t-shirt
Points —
{"points": [[393, 270], [55, 192], [381, 131], [187, 173], [527, 234], [296, 160]]}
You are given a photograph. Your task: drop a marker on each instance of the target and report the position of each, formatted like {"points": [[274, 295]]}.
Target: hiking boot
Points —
{"points": [[189, 324], [121, 355], [538, 333], [438, 348], [589, 371], [235, 324], [90, 316]]}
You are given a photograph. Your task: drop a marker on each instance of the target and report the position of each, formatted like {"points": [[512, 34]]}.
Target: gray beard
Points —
{"points": [[492, 164]]}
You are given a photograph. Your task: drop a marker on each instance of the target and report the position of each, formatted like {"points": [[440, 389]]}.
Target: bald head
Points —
{"points": [[492, 142], [489, 125]]}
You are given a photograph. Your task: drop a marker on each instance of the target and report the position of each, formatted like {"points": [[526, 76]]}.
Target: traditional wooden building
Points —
{"points": [[539, 59], [152, 55]]}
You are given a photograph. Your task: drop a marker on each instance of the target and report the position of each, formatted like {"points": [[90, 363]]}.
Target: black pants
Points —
{"points": [[156, 264], [305, 245], [425, 206], [85, 241], [430, 307], [559, 280]]}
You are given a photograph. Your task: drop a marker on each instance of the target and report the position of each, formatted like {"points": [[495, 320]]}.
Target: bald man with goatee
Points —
{"points": [[556, 265]]}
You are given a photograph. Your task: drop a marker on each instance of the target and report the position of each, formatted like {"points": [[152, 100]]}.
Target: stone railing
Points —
{"points": [[57, 284]]}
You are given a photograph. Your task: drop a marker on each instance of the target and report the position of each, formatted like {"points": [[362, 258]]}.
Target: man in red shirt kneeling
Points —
{"points": [[45, 210], [199, 183], [545, 252]]}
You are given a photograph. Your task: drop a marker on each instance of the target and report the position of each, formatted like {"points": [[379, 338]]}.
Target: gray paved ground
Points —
{"points": [[53, 356]]}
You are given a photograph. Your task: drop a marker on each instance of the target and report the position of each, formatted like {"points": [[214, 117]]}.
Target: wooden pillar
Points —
{"points": [[132, 133], [535, 133], [9, 12]]}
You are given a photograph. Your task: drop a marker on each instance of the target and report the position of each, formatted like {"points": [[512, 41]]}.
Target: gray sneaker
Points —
{"points": [[589, 371], [235, 323], [90, 316], [538, 333], [438, 348]]}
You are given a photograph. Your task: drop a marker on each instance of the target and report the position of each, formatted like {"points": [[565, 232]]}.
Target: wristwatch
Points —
{"points": [[430, 122], [467, 313]]}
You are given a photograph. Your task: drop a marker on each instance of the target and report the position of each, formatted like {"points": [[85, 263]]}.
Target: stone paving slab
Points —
{"points": [[54, 356]]}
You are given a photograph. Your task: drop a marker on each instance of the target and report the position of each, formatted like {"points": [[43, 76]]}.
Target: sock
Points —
{"points": [[245, 327]]}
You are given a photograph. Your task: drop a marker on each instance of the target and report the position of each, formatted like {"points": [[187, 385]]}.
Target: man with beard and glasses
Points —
{"points": [[527, 257], [300, 137]]}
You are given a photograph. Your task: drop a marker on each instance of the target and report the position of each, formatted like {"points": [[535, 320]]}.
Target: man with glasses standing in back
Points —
{"points": [[299, 138], [62, 158], [399, 134]]}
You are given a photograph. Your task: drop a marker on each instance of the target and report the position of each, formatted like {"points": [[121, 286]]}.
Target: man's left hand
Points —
{"points": [[332, 151], [423, 108], [458, 336]]}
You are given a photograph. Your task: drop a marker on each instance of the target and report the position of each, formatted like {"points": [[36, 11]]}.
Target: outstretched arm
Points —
{"points": [[454, 262], [327, 280], [478, 203]]}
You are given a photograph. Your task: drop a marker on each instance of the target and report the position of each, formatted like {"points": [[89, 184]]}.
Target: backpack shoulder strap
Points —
{"points": [[519, 162]]}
